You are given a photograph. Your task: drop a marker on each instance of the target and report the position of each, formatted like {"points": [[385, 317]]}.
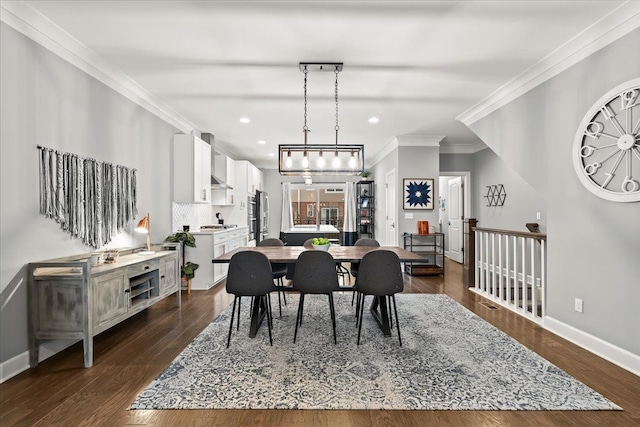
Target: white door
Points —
{"points": [[390, 206], [456, 215]]}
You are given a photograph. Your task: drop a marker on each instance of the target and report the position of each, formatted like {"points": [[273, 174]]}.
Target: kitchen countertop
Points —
{"points": [[324, 228], [222, 230]]}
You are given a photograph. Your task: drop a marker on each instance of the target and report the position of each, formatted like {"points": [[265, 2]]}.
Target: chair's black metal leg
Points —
{"points": [[390, 315], [359, 302], [284, 294], [270, 311], [233, 311], [300, 302], [333, 318], [239, 303], [269, 319], [301, 306], [279, 304], [353, 297], [397, 323], [252, 298], [361, 315]]}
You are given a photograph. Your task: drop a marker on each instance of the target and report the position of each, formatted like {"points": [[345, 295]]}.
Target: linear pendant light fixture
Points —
{"points": [[320, 159]]}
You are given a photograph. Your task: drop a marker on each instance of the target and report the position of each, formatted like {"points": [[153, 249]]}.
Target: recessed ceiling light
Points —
{"points": [[374, 120], [262, 142], [272, 154], [245, 119]]}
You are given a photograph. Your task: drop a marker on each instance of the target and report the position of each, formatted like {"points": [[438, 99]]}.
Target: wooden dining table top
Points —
{"points": [[287, 254]]}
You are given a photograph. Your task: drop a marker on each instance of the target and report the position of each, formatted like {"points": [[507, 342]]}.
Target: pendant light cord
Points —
{"points": [[305, 128], [337, 127]]}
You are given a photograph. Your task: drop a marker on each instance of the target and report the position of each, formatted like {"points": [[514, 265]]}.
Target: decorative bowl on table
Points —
{"points": [[320, 244]]}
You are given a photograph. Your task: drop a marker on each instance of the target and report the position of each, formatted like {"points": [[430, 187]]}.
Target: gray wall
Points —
{"points": [[456, 162], [46, 101], [417, 162], [594, 244], [522, 201]]}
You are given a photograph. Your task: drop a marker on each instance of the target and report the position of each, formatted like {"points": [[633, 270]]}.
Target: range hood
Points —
{"points": [[217, 182], [217, 185]]}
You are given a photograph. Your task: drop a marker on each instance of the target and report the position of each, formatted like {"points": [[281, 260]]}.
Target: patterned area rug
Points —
{"points": [[450, 359]]}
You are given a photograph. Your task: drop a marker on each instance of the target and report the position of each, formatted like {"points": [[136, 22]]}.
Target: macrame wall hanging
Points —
{"points": [[91, 200]]}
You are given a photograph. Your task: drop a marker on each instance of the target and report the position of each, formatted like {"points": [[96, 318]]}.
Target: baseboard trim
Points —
{"points": [[614, 354], [20, 363]]}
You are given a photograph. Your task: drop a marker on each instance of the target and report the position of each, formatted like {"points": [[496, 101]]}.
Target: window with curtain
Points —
{"points": [[317, 204]]}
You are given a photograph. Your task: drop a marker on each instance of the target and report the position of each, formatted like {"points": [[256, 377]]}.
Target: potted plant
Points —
{"points": [[188, 269], [365, 175]]}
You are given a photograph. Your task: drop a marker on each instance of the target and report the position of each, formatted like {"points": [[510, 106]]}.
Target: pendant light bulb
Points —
{"points": [[336, 161], [305, 160], [288, 162], [352, 161], [320, 161]]}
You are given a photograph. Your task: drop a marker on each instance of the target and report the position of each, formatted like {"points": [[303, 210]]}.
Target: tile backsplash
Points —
{"points": [[194, 215]]}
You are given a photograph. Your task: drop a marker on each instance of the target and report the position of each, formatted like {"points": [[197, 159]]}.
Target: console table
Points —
{"points": [[70, 299]]}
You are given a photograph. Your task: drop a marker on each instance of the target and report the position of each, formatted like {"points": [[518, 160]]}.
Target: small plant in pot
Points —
{"points": [[365, 175], [185, 238]]}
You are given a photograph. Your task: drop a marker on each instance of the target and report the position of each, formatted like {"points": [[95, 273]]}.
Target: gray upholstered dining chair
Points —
{"points": [[291, 267], [250, 276], [279, 270], [315, 274], [362, 242], [379, 275], [365, 241]]}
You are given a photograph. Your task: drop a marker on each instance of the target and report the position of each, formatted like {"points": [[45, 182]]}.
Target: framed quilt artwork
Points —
{"points": [[417, 193]]}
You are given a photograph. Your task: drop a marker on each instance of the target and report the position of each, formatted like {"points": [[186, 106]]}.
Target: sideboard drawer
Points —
{"points": [[143, 267]]}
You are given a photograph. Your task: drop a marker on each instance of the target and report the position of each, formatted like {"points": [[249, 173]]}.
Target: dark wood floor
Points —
{"points": [[129, 356]]}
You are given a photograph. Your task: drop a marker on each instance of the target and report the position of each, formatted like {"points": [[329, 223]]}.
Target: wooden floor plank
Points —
{"points": [[129, 356]]}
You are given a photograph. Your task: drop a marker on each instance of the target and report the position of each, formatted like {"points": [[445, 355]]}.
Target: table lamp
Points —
{"points": [[144, 226]]}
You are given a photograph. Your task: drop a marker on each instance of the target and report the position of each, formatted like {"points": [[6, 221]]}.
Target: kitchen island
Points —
{"points": [[297, 235]]}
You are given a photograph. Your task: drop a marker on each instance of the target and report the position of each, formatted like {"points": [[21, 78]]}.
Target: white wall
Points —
{"points": [[46, 101], [593, 244]]}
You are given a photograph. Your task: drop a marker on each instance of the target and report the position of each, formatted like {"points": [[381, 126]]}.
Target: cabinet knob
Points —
{"points": [[146, 267]]}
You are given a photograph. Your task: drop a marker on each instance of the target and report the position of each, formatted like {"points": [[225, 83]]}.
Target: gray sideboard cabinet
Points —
{"points": [[70, 299]]}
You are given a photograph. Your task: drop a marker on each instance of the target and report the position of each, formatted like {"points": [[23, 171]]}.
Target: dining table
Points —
{"points": [[289, 254]]}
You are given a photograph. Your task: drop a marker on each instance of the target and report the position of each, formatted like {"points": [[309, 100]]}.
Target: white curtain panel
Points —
{"points": [[349, 207], [286, 221]]}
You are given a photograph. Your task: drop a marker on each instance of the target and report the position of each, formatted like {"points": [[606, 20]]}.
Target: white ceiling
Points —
{"points": [[415, 65]]}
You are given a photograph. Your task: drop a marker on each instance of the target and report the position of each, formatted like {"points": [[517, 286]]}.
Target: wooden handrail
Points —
{"points": [[539, 236]]}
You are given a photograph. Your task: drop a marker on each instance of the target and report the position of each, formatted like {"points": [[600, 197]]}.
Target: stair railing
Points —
{"points": [[510, 270]]}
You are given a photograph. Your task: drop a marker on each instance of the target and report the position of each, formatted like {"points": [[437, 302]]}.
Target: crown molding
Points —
{"points": [[388, 148], [28, 21], [407, 141], [463, 148], [608, 29], [419, 140]]}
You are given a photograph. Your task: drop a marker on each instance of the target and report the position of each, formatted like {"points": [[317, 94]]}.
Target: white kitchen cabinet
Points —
{"points": [[191, 170], [211, 245], [225, 171], [248, 177], [254, 178]]}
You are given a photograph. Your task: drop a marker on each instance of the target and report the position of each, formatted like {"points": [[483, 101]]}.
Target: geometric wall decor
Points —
{"points": [[418, 193], [496, 195]]}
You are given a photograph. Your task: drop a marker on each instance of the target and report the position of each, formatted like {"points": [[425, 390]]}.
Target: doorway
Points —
{"points": [[454, 207]]}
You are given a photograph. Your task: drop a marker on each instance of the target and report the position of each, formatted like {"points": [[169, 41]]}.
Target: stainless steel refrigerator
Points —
{"points": [[262, 216]]}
